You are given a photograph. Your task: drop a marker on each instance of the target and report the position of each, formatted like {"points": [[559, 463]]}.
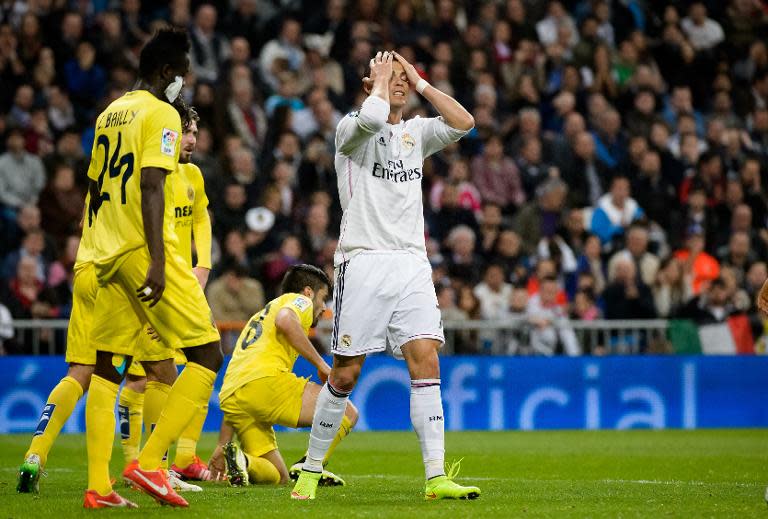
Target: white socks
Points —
{"points": [[427, 420], [329, 410]]}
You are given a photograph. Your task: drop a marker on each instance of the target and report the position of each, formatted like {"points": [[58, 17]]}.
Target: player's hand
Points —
{"points": [[217, 465], [410, 70], [154, 284], [762, 298], [381, 70]]}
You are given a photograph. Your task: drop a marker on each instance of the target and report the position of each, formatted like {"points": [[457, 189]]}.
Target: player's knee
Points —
{"points": [[209, 356], [344, 380], [136, 383], [82, 374]]}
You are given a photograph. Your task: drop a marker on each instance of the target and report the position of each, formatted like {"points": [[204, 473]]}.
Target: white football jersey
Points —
{"points": [[379, 169]]}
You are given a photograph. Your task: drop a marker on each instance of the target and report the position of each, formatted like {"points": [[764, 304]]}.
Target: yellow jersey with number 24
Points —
{"points": [[136, 131]]}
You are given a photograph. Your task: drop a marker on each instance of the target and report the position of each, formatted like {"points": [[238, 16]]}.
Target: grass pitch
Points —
{"points": [[711, 473]]}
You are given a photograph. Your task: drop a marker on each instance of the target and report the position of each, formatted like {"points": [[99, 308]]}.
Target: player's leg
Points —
{"points": [[115, 331], [161, 374], [81, 358], [416, 333], [183, 320], [130, 411], [359, 328], [186, 461], [330, 410], [348, 421], [57, 410]]}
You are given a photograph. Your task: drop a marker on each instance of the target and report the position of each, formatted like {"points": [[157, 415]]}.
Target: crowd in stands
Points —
{"points": [[615, 170]]}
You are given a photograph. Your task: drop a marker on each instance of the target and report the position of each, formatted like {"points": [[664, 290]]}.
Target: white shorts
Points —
{"points": [[383, 298]]}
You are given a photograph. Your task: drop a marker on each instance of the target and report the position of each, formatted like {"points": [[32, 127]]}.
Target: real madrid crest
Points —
{"points": [[346, 341], [408, 142]]}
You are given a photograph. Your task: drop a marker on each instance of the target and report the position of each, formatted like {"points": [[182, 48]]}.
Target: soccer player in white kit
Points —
{"points": [[383, 292]]}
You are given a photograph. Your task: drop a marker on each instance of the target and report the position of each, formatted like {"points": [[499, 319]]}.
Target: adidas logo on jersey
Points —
{"points": [[382, 141]]}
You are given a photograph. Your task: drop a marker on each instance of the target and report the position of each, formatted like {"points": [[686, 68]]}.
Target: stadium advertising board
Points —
{"points": [[493, 393]]}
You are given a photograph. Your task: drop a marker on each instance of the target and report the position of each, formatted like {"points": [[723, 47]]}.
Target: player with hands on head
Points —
{"points": [[383, 292]]}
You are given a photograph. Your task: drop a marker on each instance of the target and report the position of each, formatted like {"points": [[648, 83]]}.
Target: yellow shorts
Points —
{"points": [[182, 318], [254, 408], [149, 349], [84, 289]]}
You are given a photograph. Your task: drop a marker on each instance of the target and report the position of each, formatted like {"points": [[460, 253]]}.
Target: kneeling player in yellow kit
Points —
{"points": [[259, 389], [149, 381]]}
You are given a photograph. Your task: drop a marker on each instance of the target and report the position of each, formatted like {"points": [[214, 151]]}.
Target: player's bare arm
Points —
{"points": [[455, 115], [152, 210], [288, 324]]}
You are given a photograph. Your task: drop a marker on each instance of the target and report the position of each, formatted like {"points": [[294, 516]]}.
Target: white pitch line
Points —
{"points": [[605, 481]]}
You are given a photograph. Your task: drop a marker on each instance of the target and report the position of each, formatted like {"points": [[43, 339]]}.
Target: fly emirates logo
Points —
{"points": [[395, 172]]}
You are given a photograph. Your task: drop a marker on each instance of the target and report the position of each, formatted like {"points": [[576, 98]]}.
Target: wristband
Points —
{"points": [[421, 85]]}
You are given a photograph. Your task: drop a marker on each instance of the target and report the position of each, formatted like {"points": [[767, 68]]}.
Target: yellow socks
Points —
{"points": [[130, 409], [261, 471], [155, 398], [344, 430], [188, 396], [61, 402], [186, 447], [100, 432]]}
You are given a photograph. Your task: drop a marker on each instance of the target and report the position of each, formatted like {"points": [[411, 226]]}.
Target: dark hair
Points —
{"points": [[168, 46], [303, 275], [187, 113]]}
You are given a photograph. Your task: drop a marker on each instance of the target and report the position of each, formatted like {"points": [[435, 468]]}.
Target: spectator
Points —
{"points": [[551, 331], [497, 177], [282, 54], [235, 296], [670, 291], [614, 212], [27, 297], [246, 117], [738, 254], [699, 267], [626, 296], [463, 262], [209, 48], [636, 250], [451, 214], [586, 176], [541, 218], [533, 169], [22, 175], [704, 33], [493, 293], [61, 204], [711, 306], [32, 247], [468, 195], [86, 80]]}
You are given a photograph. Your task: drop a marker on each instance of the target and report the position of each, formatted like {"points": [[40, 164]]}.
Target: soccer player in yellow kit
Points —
{"points": [[145, 391], [143, 278], [80, 356], [259, 389]]}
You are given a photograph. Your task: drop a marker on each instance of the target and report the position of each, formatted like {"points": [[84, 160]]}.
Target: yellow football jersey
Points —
{"points": [[85, 249], [191, 213], [260, 351], [136, 131]]}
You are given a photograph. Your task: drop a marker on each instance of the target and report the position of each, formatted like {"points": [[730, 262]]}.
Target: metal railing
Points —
{"points": [[511, 336]]}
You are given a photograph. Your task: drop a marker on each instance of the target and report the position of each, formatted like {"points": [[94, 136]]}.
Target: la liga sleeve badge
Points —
{"points": [[168, 143]]}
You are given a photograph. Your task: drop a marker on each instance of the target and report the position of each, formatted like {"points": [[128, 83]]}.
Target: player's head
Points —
{"points": [[399, 87], [309, 281], [164, 61], [189, 120]]}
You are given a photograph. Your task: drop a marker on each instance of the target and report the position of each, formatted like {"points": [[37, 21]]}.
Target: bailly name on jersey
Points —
{"points": [[118, 118], [395, 172]]}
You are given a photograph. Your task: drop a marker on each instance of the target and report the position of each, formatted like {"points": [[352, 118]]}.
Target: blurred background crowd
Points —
{"points": [[615, 170]]}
